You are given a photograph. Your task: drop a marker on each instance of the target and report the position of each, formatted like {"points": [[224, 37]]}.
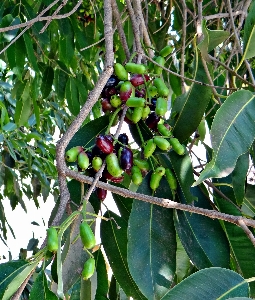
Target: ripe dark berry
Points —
{"points": [[126, 158], [140, 93], [152, 121], [123, 138], [138, 79], [109, 177], [153, 104], [101, 194], [96, 151], [106, 105], [104, 144], [108, 92], [112, 81]]}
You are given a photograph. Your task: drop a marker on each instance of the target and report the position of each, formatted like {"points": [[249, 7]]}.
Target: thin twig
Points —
{"points": [[184, 24], [199, 20], [224, 15], [247, 231]]}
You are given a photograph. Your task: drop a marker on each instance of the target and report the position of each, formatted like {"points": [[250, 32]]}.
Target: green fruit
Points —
{"points": [[170, 177], [161, 107], [160, 171], [162, 89], [163, 130], [52, 239], [135, 68], [161, 61], [166, 51], [88, 269], [137, 114], [149, 148], [120, 72], [155, 180], [135, 102], [115, 101], [83, 160], [162, 143], [97, 163], [112, 164], [146, 112], [177, 146], [143, 165], [87, 236], [153, 91], [136, 175], [72, 154]]}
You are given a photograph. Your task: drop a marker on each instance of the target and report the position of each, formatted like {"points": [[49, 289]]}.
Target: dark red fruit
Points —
{"points": [[112, 81], [106, 105], [153, 104], [109, 177], [140, 93], [138, 79], [126, 158], [104, 144], [108, 92], [126, 90], [152, 121], [101, 194], [96, 151], [109, 137]]}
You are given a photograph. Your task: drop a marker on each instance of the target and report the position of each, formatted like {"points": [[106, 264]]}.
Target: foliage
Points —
{"points": [[154, 252]]}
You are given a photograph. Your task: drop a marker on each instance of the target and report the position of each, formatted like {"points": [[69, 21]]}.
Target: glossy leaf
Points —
{"points": [[232, 134], [102, 280], [194, 103], [200, 234], [47, 81], [60, 81], [66, 42], [239, 177], [152, 259], [72, 97], [115, 245], [248, 207], [249, 33], [212, 283], [30, 52], [182, 261], [40, 289], [23, 107]]}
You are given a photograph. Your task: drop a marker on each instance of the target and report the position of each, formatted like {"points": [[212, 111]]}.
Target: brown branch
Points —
{"points": [[247, 231], [224, 15], [184, 25]]}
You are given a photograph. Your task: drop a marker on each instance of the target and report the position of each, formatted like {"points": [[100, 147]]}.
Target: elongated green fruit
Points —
{"points": [[162, 143], [160, 171], [161, 61], [143, 165], [171, 179], [72, 154], [161, 107], [136, 175], [166, 51], [135, 68], [88, 268], [135, 102], [87, 236], [97, 163], [163, 130], [146, 112], [120, 72], [112, 164], [137, 114], [155, 180], [149, 148], [52, 239], [177, 146], [163, 91], [83, 160]]}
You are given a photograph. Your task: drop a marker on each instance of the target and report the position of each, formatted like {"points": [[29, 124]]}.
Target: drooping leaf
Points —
{"points": [[30, 51], [66, 42], [200, 234], [239, 177], [23, 107], [152, 243], [115, 245], [72, 96], [193, 103], [47, 81], [248, 207], [212, 283], [60, 80], [102, 280], [40, 289], [182, 261], [249, 33], [232, 134]]}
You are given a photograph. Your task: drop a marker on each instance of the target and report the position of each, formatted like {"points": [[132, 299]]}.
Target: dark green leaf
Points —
{"points": [[72, 96], [212, 283], [47, 81], [30, 52], [232, 134], [66, 42], [248, 207], [200, 234], [124, 205], [193, 104], [40, 289], [23, 107], [115, 245], [152, 243], [102, 280], [60, 80], [249, 33]]}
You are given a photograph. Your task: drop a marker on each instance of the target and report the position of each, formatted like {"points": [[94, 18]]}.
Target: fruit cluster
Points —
{"points": [[142, 90]]}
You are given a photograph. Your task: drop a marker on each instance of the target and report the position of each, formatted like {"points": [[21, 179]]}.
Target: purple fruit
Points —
{"points": [[101, 194], [152, 121], [112, 81], [138, 79], [126, 158], [106, 105], [104, 144]]}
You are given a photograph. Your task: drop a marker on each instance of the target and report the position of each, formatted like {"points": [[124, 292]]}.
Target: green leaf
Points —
{"points": [[241, 246], [9, 126], [47, 81], [7, 21], [249, 33], [16, 56], [60, 80], [199, 234], [182, 261], [30, 51], [152, 243], [232, 134], [66, 41], [72, 97], [248, 207], [212, 283], [239, 177], [85, 136], [23, 107], [124, 205], [102, 280], [115, 245], [8, 271], [193, 103], [40, 289]]}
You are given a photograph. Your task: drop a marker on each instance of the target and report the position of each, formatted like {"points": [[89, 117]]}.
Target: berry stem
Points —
{"points": [[112, 119]]}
